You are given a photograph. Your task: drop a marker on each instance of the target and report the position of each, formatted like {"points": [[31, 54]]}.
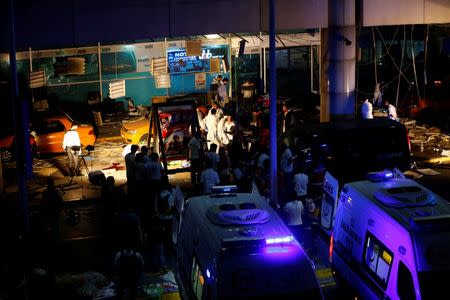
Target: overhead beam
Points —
{"points": [[86, 22], [384, 12]]}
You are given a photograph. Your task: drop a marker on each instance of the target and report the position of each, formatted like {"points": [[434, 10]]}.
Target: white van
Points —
{"points": [[391, 240], [234, 246]]}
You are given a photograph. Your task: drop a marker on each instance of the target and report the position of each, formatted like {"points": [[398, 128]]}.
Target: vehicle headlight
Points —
{"points": [[131, 131]]}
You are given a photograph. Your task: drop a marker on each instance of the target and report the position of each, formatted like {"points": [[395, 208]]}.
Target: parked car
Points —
{"points": [[50, 129], [47, 135], [7, 147], [135, 131]]}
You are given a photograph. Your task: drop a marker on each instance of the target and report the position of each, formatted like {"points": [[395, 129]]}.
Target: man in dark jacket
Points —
{"points": [[288, 117]]}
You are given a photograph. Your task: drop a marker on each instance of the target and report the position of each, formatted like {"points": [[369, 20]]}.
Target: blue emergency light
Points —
{"points": [[279, 240], [380, 176], [224, 189]]}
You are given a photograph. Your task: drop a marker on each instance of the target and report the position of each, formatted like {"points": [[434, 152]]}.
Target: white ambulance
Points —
{"points": [[391, 240], [234, 246]]}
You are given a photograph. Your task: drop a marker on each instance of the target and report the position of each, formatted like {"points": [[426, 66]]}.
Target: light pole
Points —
{"points": [[273, 108]]}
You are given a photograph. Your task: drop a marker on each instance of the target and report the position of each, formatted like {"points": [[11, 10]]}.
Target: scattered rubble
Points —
{"points": [[428, 142]]}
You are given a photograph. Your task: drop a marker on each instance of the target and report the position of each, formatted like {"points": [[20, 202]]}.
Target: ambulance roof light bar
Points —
{"points": [[224, 189], [380, 176]]}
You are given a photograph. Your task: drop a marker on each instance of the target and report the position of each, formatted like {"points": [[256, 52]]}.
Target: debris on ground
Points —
{"points": [[412, 174], [428, 171], [428, 142], [158, 286]]}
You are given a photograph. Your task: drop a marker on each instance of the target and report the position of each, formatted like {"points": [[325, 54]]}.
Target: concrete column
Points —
{"points": [[22, 145], [338, 62]]}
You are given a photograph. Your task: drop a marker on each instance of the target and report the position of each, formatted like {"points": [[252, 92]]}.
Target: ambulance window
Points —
{"points": [[405, 284], [197, 279], [377, 260]]}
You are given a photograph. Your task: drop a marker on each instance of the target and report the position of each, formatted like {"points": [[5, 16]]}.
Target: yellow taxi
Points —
{"points": [[135, 131]]}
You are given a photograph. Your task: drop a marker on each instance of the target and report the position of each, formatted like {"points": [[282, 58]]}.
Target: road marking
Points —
{"points": [[328, 284], [324, 273]]}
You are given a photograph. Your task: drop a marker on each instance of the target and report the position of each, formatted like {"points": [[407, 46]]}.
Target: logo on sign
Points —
{"points": [[179, 54], [328, 187]]}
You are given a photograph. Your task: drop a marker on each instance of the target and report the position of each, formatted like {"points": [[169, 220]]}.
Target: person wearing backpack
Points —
{"points": [[129, 265]]}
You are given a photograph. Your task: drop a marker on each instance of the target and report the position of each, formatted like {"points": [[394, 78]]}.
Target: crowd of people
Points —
{"points": [[220, 153]]}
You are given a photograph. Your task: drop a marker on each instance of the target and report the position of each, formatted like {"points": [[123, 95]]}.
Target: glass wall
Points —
{"points": [[293, 68], [246, 67], [118, 62]]}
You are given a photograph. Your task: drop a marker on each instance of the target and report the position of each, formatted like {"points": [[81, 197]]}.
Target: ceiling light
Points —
{"points": [[212, 36]]}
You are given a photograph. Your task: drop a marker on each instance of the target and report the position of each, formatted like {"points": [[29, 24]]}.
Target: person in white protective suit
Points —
{"points": [[221, 136], [201, 120], [366, 109], [228, 131], [219, 112], [211, 127]]}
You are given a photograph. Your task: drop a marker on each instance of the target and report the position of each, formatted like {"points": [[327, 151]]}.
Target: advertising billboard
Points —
{"points": [[179, 62], [173, 122]]}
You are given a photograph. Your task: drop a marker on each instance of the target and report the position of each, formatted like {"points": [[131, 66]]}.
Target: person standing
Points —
{"points": [[219, 111], [72, 147], [51, 207], [211, 127], [366, 109], [110, 197], [130, 164], [293, 211], [209, 178], [224, 166], [144, 150], [194, 156], [287, 169], [378, 94], [248, 92], [214, 86], [222, 93], [229, 130], [155, 172], [288, 117], [221, 138], [300, 182], [391, 110], [213, 157], [129, 265], [165, 209]]}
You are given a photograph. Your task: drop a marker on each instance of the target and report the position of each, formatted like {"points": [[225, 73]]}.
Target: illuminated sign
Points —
{"points": [[180, 62], [329, 200]]}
